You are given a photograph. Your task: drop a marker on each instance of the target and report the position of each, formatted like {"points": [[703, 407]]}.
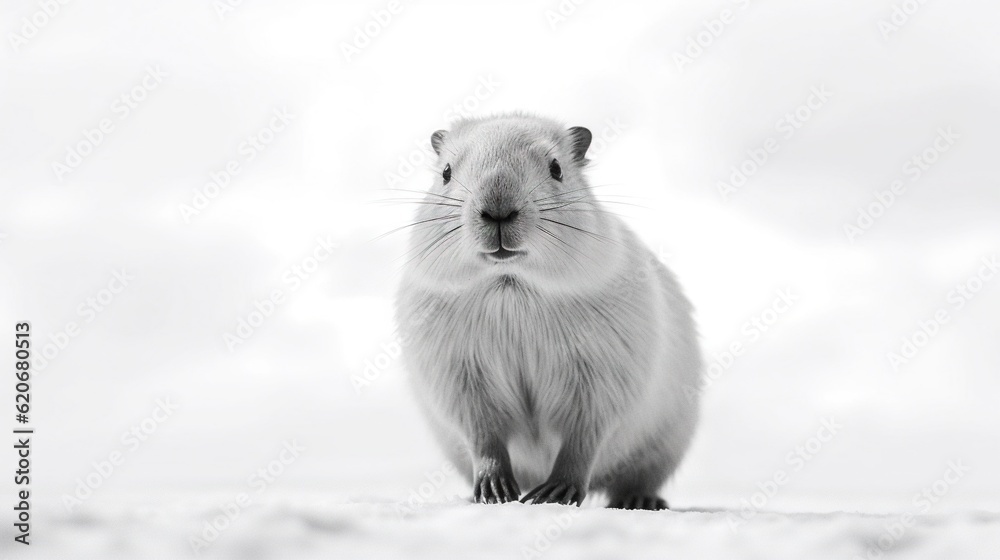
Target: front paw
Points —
{"points": [[495, 485], [557, 492]]}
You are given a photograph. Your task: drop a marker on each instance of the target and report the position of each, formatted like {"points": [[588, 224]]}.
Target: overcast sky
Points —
{"points": [[823, 105]]}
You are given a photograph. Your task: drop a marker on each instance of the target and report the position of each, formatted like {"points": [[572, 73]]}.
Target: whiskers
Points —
{"points": [[428, 249], [444, 218], [442, 201], [449, 224], [564, 246], [425, 193], [591, 234], [562, 223], [579, 201], [584, 193]]}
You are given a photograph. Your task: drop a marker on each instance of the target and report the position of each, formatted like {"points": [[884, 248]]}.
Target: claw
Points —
{"points": [[510, 489], [556, 492], [495, 488]]}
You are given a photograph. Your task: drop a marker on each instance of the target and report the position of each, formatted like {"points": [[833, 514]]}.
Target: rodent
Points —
{"points": [[547, 346]]}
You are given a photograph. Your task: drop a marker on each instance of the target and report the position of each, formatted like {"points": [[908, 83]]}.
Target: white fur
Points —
{"points": [[588, 339]]}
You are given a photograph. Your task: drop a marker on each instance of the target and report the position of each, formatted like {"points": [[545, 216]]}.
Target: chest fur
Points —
{"points": [[535, 351]]}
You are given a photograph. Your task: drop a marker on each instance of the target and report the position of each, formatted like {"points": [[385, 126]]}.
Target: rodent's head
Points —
{"points": [[510, 199]]}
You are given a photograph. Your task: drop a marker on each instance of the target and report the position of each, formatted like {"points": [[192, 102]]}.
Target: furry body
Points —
{"points": [[555, 371]]}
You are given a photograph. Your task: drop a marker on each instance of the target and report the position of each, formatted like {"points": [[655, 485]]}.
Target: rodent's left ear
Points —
{"points": [[580, 137], [437, 139]]}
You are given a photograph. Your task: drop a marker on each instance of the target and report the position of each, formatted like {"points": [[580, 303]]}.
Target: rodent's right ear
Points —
{"points": [[581, 138], [437, 139]]}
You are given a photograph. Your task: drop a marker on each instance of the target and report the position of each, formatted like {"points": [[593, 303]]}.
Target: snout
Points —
{"points": [[499, 218], [500, 221], [500, 232]]}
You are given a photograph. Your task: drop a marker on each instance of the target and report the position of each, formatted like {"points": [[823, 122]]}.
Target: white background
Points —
{"points": [[362, 105]]}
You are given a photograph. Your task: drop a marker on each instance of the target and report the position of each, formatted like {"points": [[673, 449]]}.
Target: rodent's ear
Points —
{"points": [[437, 139], [581, 138]]}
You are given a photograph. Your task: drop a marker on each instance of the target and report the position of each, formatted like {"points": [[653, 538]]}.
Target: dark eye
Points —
{"points": [[446, 174], [555, 170]]}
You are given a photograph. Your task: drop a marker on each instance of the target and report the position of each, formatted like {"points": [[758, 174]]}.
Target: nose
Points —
{"points": [[499, 217]]}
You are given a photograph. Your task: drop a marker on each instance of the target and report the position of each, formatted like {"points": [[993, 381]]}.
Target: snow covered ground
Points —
{"points": [[216, 372], [316, 528]]}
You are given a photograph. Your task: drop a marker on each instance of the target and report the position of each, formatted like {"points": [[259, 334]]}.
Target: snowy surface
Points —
{"points": [[312, 528], [320, 374]]}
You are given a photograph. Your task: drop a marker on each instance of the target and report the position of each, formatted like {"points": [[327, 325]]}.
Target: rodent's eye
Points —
{"points": [[555, 170], [446, 174]]}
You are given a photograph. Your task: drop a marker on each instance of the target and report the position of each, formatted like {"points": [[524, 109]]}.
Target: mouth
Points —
{"points": [[502, 255]]}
